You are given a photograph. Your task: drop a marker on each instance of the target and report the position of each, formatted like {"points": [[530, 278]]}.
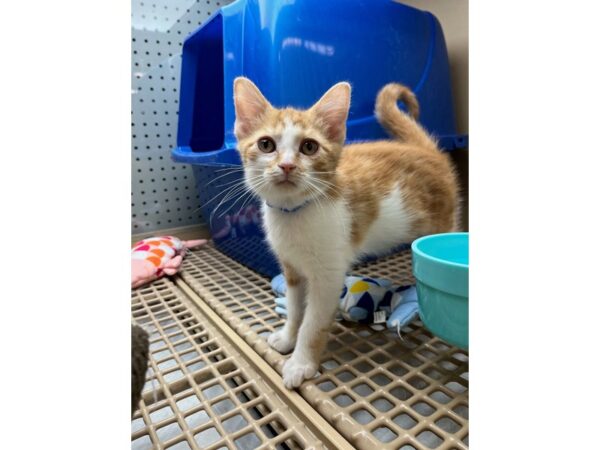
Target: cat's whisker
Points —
{"points": [[231, 169], [225, 191], [244, 180], [229, 183], [319, 178], [216, 196], [213, 198], [231, 192], [329, 199], [219, 177], [248, 199], [317, 193], [250, 195], [328, 186], [241, 195], [331, 186], [242, 191], [329, 190]]}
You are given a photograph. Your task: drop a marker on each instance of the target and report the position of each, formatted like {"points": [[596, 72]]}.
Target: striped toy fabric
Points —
{"points": [[158, 250], [157, 256], [366, 300]]}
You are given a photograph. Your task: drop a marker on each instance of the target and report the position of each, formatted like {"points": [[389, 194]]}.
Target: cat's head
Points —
{"points": [[289, 155]]}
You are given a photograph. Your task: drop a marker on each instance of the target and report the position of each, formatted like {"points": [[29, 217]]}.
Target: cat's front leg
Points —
{"points": [[284, 340], [323, 292]]}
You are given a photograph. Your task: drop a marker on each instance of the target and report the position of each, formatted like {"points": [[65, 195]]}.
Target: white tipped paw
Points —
{"points": [[295, 372], [281, 341]]}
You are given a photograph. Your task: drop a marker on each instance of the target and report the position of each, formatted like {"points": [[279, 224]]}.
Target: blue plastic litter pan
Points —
{"points": [[295, 51]]}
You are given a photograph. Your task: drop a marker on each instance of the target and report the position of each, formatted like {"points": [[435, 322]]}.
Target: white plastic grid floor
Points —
{"points": [[374, 389]]}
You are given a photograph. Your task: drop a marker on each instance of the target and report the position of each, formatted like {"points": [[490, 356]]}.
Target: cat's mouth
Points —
{"points": [[285, 183]]}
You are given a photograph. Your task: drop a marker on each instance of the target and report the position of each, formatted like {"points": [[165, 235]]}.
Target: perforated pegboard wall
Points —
{"points": [[163, 193]]}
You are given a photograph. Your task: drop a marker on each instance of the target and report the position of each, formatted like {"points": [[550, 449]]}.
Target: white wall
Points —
{"points": [[454, 17]]}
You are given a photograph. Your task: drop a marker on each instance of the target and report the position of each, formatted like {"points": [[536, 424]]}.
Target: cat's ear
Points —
{"points": [[332, 110], [250, 106]]}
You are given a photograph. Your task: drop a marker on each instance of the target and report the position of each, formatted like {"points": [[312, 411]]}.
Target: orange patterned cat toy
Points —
{"points": [[154, 257]]}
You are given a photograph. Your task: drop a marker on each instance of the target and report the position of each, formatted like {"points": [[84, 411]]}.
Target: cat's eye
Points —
{"points": [[309, 147], [266, 145]]}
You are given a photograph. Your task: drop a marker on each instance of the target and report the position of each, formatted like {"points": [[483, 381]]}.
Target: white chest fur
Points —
{"points": [[312, 238], [318, 236]]}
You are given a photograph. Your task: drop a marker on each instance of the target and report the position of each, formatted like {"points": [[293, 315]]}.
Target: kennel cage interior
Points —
{"points": [[213, 382], [294, 52]]}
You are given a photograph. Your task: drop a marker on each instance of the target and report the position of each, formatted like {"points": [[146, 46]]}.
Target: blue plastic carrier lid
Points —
{"points": [[294, 52]]}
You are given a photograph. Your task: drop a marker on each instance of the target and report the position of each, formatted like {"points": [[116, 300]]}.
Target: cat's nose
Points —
{"points": [[287, 167]]}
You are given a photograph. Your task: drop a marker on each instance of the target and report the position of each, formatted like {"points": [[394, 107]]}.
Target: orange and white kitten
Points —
{"points": [[324, 205]]}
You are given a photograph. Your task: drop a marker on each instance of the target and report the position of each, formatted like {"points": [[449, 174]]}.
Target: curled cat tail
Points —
{"points": [[400, 125]]}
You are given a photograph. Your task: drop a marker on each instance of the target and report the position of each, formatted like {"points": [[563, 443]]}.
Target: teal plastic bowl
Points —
{"points": [[441, 267]]}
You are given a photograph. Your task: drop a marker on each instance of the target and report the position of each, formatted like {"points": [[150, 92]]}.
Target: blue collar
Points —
{"points": [[290, 210]]}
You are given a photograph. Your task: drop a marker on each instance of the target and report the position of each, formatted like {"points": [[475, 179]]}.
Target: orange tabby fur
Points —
{"points": [[322, 210], [365, 172]]}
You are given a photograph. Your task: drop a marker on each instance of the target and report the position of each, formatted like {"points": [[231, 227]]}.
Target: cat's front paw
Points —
{"points": [[296, 371], [281, 341]]}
